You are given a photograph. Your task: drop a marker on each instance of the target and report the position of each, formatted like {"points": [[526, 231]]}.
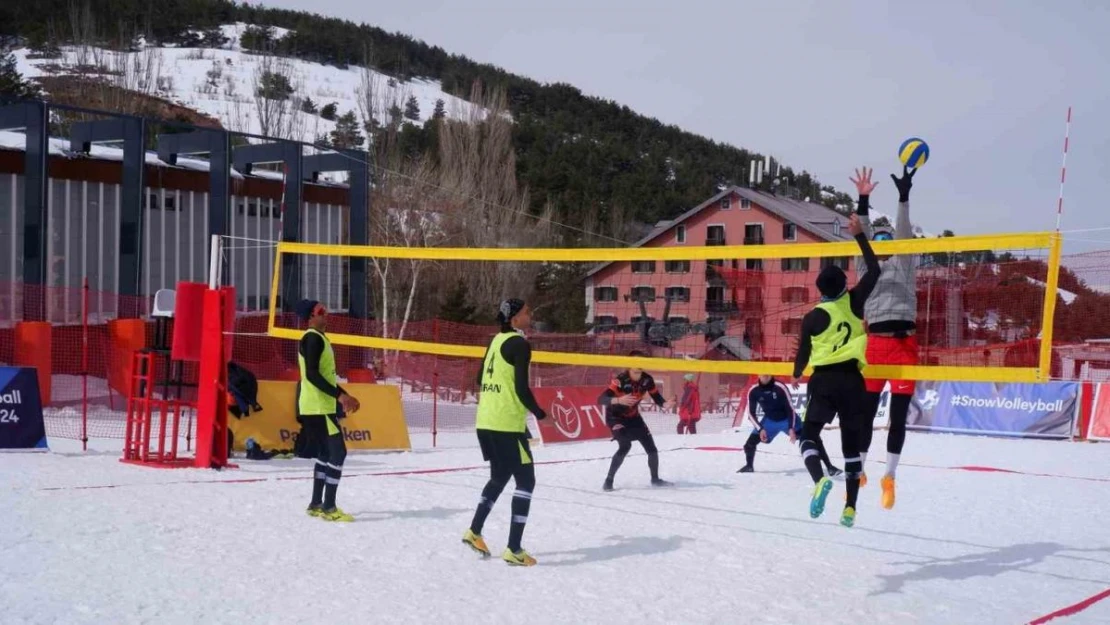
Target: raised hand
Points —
{"points": [[905, 183], [863, 181]]}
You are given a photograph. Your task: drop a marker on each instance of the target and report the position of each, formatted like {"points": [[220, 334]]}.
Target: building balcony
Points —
{"points": [[754, 240], [733, 278], [720, 307], [715, 241]]}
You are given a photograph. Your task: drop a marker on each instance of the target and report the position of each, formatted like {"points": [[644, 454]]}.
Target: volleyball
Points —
{"points": [[913, 152]]}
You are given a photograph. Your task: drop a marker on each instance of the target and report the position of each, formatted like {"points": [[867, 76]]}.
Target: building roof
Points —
{"points": [[816, 219]]}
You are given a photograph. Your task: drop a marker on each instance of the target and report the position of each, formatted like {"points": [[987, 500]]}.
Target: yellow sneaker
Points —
{"points": [[520, 558], [862, 480], [314, 511], [476, 542], [888, 491], [336, 515], [848, 518]]}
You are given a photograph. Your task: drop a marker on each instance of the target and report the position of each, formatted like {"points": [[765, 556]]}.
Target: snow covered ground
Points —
{"points": [[89, 540]]}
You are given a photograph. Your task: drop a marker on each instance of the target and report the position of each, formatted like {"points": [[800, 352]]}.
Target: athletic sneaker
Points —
{"points": [[862, 480], [888, 491], [848, 518], [660, 482], [315, 510], [747, 468], [835, 472], [336, 515], [820, 493], [476, 542], [520, 558], [607, 486]]}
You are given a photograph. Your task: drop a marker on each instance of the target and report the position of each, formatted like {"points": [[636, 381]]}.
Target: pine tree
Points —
{"points": [[441, 109], [412, 109], [395, 115], [12, 84], [329, 111], [308, 106], [274, 86], [346, 133], [455, 308]]}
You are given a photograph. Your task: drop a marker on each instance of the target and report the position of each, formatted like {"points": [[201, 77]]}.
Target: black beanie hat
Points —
{"points": [[304, 309], [508, 309], [831, 282]]}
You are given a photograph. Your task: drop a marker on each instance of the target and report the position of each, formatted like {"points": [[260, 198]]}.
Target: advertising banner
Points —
{"points": [[798, 400], [1043, 410], [573, 413], [379, 424], [1099, 428], [21, 425]]}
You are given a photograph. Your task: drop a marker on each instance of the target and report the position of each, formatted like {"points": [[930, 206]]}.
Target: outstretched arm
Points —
{"points": [[866, 284]]}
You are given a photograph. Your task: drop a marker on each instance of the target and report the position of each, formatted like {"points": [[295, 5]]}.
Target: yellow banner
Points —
{"points": [[380, 424]]}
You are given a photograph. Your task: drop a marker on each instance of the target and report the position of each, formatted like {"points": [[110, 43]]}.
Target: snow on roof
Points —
{"points": [[1067, 296]]}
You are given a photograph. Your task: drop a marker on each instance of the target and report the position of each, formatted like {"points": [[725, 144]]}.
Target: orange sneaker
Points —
{"points": [[888, 491]]}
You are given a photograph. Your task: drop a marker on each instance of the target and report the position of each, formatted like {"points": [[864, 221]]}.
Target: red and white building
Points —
{"points": [[758, 302]]}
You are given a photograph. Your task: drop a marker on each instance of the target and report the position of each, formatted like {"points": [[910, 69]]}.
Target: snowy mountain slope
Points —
{"points": [[222, 82]]}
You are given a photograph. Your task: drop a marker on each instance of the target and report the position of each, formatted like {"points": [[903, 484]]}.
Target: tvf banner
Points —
{"points": [[573, 413], [379, 424], [21, 425], [1043, 410]]}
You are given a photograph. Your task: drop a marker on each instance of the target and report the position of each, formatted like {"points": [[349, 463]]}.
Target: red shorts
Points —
{"points": [[887, 350]]}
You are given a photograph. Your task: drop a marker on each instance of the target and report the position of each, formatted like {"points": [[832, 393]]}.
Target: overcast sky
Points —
{"points": [[827, 86]]}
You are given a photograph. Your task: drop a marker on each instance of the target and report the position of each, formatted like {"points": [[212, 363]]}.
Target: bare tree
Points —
{"points": [[478, 173], [274, 84]]}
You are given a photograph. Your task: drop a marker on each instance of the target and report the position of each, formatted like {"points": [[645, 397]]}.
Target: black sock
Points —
{"points": [[811, 443], [749, 449], [489, 497], [522, 501], [318, 479], [853, 463], [331, 485], [653, 465], [824, 454], [899, 411]]}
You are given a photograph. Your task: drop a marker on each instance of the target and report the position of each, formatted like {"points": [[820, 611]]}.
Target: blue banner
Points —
{"points": [[21, 425], [1043, 410]]}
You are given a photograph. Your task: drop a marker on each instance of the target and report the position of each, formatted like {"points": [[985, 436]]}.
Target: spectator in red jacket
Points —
{"points": [[689, 409]]}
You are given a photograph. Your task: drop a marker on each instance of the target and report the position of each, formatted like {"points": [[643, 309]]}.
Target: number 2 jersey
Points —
{"points": [[623, 385]]}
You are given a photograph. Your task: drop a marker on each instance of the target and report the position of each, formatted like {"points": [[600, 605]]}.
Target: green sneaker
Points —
{"points": [[820, 493]]}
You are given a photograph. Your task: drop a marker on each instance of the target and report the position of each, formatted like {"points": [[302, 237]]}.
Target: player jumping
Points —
{"points": [[317, 400], [503, 406], [834, 343], [891, 312], [771, 399], [622, 414]]}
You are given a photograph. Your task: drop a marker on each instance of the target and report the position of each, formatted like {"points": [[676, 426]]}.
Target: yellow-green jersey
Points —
{"points": [[318, 389], [504, 399], [843, 340]]}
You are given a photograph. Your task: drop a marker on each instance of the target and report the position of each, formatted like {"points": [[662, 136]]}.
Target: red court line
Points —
{"points": [[252, 480], [971, 468], [1073, 609]]}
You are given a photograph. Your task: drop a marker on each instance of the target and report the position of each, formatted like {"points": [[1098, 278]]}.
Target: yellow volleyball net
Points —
{"points": [[984, 304]]}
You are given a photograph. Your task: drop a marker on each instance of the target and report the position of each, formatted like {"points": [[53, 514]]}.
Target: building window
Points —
{"points": [[795, 295], [605, 322], [678, 293], [835, 261], [836, 228], [643, 266], [605, 294], [754, 264], [715, 235], [795, 264], [726, 203], [677, 266], [789, 232], [643, 294], [680, 234], [753, 234], [792, 327], [745, 204]]}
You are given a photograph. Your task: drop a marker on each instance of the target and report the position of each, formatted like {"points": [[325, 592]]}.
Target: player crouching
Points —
{"points": [[771, 399], [621, 402]]}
